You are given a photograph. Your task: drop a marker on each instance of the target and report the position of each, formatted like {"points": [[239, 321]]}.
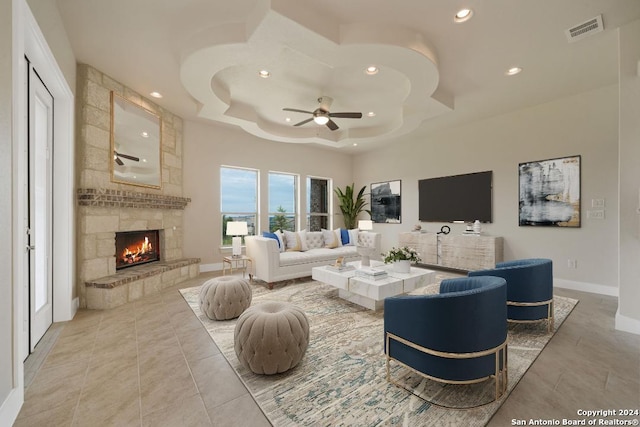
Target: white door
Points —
{"points": [[39, 230]]}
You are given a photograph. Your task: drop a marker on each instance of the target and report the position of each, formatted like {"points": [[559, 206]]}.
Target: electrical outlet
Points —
{"points": [[599, 214], [572, 263], [597, 203]]}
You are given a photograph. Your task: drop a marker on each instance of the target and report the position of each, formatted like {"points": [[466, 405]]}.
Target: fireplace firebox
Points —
{"points": [[137, 247]]}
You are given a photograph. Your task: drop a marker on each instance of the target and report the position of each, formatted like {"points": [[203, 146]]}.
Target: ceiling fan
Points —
{"points": [[322, 116], [117, 158]]}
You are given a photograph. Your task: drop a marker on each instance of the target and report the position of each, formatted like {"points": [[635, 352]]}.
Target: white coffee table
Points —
{"points": [[371, 293]]}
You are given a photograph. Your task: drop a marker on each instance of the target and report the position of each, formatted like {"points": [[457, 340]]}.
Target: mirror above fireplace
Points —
{"points": [[136, 142]]}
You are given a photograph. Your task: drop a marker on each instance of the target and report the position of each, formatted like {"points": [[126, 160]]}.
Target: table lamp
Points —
{"points": [[237, 229], [365, 251]]}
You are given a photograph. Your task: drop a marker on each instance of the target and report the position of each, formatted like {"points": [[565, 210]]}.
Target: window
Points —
{"points": [[283, 190], [318, 203], [239, 199]]}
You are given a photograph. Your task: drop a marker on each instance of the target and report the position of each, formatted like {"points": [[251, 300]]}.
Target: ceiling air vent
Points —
{"points": [[585, 29]]}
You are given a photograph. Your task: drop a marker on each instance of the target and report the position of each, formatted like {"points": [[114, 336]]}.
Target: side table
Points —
{"points": [[241, 261]]}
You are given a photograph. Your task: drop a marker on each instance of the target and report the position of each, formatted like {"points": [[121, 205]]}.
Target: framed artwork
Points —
{"points": [[386, 202], [550, 192]]}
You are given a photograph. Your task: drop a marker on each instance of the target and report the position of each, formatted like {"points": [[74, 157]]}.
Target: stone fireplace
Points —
{"points": [[105, 208]]}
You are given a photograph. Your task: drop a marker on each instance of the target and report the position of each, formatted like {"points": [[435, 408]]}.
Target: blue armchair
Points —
{"points": [[529, 289], [458, 336]]}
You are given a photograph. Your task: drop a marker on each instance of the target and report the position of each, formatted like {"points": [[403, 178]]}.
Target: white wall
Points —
{"points": [[20, 36], [585, 124], [7, 308], [208, 146], [50, 22], [628, 316]]}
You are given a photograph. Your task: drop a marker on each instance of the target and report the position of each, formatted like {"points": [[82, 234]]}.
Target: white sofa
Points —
{"points": [[272, 265]]}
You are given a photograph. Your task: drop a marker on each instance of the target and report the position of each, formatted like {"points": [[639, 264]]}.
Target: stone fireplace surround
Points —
{"points": [[106, 212], [104, 207]]}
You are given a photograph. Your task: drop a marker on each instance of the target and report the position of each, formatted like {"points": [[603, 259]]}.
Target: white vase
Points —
{"points": [[402, 266], [477, 228]]}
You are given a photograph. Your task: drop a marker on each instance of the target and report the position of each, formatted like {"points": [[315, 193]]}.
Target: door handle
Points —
{"points": [[31, 248]]}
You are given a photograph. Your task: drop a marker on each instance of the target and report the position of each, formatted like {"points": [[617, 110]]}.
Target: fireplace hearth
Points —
{"points": [[137, 247]]}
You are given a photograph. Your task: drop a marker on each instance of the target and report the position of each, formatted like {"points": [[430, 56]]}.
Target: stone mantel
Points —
{"points": [[103, 197]]}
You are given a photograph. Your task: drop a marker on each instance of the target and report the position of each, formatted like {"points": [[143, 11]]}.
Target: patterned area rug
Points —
{"points": [[342, 378]]}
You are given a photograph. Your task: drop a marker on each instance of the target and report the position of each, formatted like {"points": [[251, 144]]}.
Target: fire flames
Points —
{"points": [[135, 254]]}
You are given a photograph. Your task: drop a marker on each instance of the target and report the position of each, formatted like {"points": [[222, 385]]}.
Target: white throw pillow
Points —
{"points": [[331, 238], [353, 237], [295, 240], [280, 237], [338, 236]]}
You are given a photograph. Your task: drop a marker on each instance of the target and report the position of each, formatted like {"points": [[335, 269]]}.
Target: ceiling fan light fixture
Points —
{"points": [[463, 15], [157, 95], [372, 70], [321, 119], [371, 114], [264, 74]]}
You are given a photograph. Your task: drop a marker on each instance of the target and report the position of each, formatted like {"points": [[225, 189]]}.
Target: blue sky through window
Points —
{"points": [[282, 192], [239, 190]]}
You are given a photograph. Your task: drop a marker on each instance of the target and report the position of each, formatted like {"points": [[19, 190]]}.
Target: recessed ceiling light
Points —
{"points": [[156, 95], [513, 71], [264, 74], [371, 114], [371, 70], [463, 15], [145, 134], [355, 144], [144, 160]]}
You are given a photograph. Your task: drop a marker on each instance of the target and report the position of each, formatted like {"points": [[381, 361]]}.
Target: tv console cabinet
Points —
{"points": [[460, 252]]}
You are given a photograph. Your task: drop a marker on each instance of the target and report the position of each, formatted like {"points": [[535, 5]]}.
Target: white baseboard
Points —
{"points": [[75, 306], [210, 267], [10, 408], [627, 324], [593, 288]]}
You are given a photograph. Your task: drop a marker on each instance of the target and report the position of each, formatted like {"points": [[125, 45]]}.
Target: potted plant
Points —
{"points": [[401, 258], [351, 207]]}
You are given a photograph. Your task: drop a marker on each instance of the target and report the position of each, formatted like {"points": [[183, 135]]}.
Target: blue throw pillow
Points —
{"points": [[271, 236], [344, 236]]}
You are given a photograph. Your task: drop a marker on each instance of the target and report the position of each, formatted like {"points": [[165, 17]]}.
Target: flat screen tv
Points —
{"points": [[456, 198]]}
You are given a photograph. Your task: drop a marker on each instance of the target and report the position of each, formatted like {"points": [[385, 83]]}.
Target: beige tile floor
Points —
{"points": [[151, 363]]}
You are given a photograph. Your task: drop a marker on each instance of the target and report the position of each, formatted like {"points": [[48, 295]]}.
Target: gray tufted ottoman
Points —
{"points": [[271, 337], [226, 297]]}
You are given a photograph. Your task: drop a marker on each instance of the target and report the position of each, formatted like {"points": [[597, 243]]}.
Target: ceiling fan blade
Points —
{"points": [[295, 110], [346, 115], [303, 122], [332, 125], [126, 156], [118, 161]]}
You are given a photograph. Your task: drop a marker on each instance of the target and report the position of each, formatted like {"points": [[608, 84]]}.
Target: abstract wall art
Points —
{"points": [[386, 202], [550, 192]]}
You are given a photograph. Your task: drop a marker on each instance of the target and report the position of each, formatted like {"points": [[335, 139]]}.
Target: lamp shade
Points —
{"points": [[237, 228], [365, 224]]}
